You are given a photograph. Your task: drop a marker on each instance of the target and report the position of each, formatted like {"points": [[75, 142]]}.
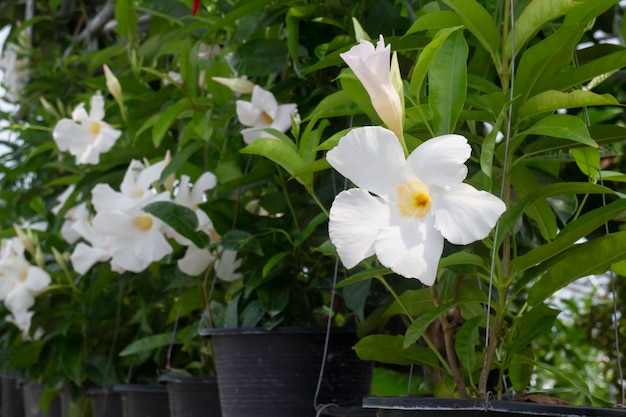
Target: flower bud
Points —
{"points": [[238, 85]]}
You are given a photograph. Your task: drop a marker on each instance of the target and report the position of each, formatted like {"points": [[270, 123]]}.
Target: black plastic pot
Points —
{"points": [[105, 402], [275, 373], [12, 399], [31, 393], [443, 407], [140, 400], [192, 397]]}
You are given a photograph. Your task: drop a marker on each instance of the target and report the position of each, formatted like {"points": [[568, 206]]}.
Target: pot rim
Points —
{"points": [[212, 331], [188, 379], [139, 388], [502, 406]]}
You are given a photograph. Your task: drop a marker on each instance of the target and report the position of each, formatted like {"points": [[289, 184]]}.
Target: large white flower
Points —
{"points": [[263, 112], [76, 213], [86, 135], [372, 66], [404, 208], [85, 256], [137, 238]]}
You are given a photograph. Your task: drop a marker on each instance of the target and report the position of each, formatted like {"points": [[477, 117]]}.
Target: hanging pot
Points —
{"points": [[139, 400], [275, 373], [105, 402], [192, 397], [12, 399], [412, 406], [31, 393]]}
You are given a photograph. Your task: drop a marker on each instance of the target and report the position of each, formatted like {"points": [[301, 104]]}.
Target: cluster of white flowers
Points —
{"points": [[20, 283], [130, 238], [16, 71]]}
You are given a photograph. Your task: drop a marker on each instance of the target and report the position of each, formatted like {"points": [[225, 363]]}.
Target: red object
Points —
{"points": [[196, 7]]}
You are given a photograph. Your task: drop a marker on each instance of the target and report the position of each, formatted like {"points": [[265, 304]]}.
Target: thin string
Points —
{"points": [[611, 273], [502, 185]]}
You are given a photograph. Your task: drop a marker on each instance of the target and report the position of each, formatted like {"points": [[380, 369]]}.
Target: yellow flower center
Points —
{"points": [[138, 193], [143, 223], [94, 127], [23, 275], [267, 118], [414, 199]]}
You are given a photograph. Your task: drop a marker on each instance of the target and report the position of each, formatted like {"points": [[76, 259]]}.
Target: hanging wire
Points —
{"points": [[173, 337], [507, 139], [611, 273]]}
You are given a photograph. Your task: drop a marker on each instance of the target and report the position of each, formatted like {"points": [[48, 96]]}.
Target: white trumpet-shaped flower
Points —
{"points": [[372, 66], [86, 135], [263, 112], [404, 208]]}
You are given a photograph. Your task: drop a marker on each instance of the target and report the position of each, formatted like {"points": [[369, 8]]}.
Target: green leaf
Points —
{"points": [[588, 160], [544, 60], [562, 126], [512, 215], [260, 57], [571, 233], [447, 83], [461, 258], [273, 299], [369, 274], [126, 19], [465, 346], [524, 182], [553, 100], [355, 296], [436, 20], [576, 76], [337, 104], [533, 18], [533, 323], [272, 262], [281, 153], [425, 60], [592, 257], [417, 328], [161, 127], [388, 349], [147, 343], [588, 10], [182, 219], [521, 371], [241, 241], [480, 24]]}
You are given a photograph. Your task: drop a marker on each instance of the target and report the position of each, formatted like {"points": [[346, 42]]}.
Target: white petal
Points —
{"points": [[247, 114], [96, 108], [80, 114], [282, 122], [105, 198], [226, 266], [66, 132], [151, 174], [371, 157], [20, 298], [252, 134], [355, 219], [84, 257], [264, 101], [465, 214], [440, 161], [62, 198], [206, 181], [195, 261], [37, 279], [129, 182], [411, 248]]}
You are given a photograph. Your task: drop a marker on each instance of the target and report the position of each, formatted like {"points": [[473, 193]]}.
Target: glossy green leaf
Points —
{"points": [[162, 126], [520, 371], [478, 21], [360, 276], [461, 258], [570, 234], [436, 20], [279, 152], [576, 76], [513, 213], [589, 258], [467, 338], [337, 104], [544, 60], [417, 328], [426, 58], [588, 160], [273, 298], [180, 218], [260, 57], [241, 241], [447, 83], [533, 323], [389, 349], [524, 183], [533, 18], [588, 10], [147, 343], [126, 18], [550, 101], [415, 301], [562, 126], [272, 262]]}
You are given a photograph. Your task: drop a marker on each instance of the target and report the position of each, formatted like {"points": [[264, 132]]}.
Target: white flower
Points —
{"points": [[21, 319], [84, 256], [192, 196], [71, 216], [372, 66], [16, 72], [226, 265], [196, 260], [86, 135], [263, 112], [414, 203], [137, 238]]}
